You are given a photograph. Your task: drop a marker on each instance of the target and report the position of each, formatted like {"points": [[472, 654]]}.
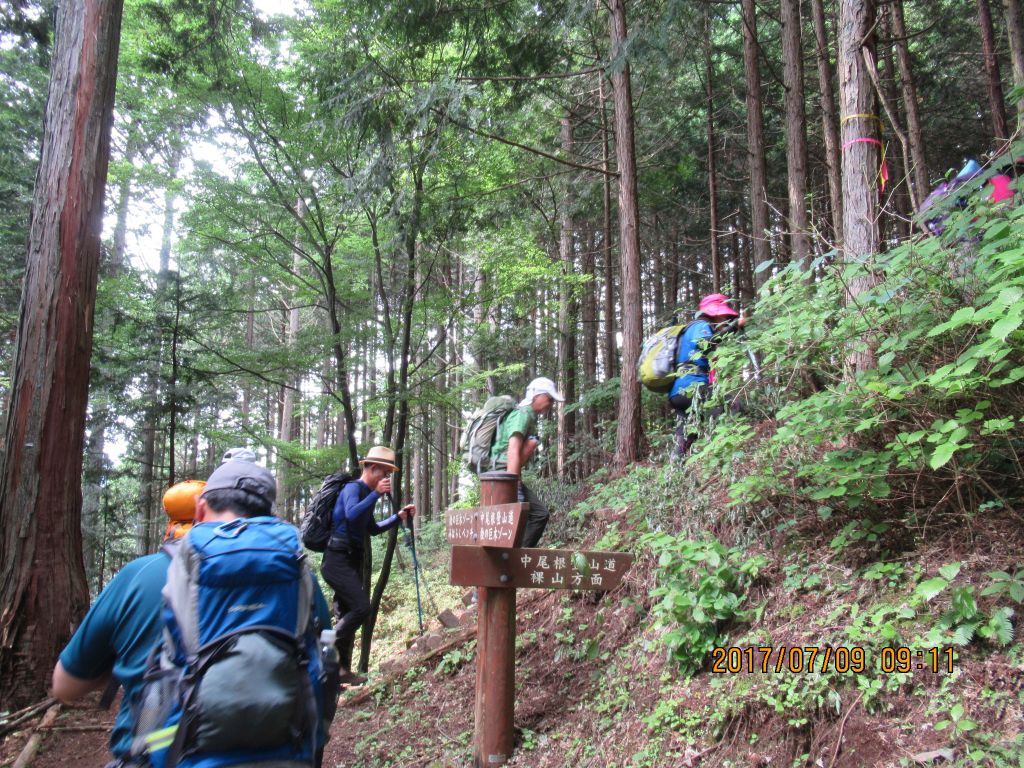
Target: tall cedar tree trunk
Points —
{"points": [[589, 321], [709, 73], [627, 445], [1015, 33], [611, 367], [919, 171], [42, 576], [755, 141], [997, 105], [796, 131], [861, 155], [567, 314], [829, 119]]}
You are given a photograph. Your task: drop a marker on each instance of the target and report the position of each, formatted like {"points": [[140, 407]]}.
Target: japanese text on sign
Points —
{"points": [[494, 526], [538, 568]]}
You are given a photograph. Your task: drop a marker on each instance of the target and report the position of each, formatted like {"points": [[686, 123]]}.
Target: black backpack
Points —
{"points": [[316, 526]]}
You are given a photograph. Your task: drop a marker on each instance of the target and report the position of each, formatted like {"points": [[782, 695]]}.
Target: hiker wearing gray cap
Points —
{"points": [[516, 442], [243, 614], [124, 624], [239, 485]]}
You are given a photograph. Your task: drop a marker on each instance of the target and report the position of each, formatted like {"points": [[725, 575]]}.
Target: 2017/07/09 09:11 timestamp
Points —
{"points": [[841, 659]]}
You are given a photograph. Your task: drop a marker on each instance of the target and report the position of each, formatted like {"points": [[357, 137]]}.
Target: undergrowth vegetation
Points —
{"points": [[854, 475], [837, 569], [934, 425]]}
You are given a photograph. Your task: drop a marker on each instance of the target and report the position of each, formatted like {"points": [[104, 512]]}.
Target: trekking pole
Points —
{"points": [[410, 542]]}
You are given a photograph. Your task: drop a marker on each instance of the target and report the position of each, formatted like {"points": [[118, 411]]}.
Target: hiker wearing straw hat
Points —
{"points": [[352, 525]]}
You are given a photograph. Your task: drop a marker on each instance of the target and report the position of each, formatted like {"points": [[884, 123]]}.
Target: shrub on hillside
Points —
{"points": [[936, 423]]}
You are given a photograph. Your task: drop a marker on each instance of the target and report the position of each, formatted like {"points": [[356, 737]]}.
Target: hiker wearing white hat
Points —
{"points": [[516, 442]]}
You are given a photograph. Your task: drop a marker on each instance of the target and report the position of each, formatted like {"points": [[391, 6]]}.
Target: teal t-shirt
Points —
{"points": [[118, 633], [121, 629], [521, 421]]}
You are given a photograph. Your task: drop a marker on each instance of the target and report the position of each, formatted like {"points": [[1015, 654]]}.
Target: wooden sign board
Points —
{"points": [[500, 525], [538, 568]]}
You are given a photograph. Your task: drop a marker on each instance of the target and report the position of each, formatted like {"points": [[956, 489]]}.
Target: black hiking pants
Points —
{"points": [[536, 518], [342, 569], [682, 403]]}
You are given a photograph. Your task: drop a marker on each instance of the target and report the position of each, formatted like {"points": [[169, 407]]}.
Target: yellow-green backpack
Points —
{"points": [[657, 366]]}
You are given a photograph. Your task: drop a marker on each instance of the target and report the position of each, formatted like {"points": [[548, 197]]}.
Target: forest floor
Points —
{"points": [[595, 686]]}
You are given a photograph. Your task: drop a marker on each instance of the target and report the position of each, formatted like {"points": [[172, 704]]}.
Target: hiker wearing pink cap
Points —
{"points": [[713, 320]]}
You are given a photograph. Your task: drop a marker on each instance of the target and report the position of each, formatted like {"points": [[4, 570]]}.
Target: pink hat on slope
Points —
{"points": [[716, 305]]}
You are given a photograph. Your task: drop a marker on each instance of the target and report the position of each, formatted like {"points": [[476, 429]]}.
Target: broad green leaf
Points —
{"points": [[949, 571], [943, 454], [932, 587], [1006, 326]]}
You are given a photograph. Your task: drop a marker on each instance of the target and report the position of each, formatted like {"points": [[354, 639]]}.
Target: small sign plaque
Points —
{"points": [[538, 568], [495, 526]]}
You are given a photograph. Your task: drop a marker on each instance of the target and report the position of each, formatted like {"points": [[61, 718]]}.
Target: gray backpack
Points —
{"points": [[478, 436]]}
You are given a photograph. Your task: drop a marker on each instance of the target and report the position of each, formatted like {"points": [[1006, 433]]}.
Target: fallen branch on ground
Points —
{"points": [[37, 738], [75, 728], [26, 713]]}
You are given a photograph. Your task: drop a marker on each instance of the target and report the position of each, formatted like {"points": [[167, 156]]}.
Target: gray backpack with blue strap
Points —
{"points": [[238, 677]]}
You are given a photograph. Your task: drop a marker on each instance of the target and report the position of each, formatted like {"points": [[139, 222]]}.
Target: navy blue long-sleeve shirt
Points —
{"points": [[353, 513]]}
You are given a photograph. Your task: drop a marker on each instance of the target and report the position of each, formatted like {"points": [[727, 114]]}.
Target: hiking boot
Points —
{"points": [[347, 677]]}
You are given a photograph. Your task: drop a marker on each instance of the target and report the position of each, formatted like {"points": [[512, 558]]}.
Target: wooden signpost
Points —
{"points": [[485, 556]]}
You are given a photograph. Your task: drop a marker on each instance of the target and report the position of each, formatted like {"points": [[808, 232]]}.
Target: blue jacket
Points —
{"points": [[353, 513], [693, 348]]}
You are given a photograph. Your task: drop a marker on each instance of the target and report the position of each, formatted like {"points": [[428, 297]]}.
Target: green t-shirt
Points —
{"points": [[522, 421]]}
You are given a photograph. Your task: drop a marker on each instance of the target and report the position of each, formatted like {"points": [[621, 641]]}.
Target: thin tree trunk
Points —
{"points": [[674, 256], [919, 170], [42, 576], [996, 102], [589, 321], [172, 385], [796, 132], [567, 315], [737, 271], [250, 341], [154, 388], [755, 140], [829, 119], [901, 193], [611, 359], [1015, 33], [627, 446], [860, 152], [398, 400], [284, 491], [709, 75], [341, 363]]}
